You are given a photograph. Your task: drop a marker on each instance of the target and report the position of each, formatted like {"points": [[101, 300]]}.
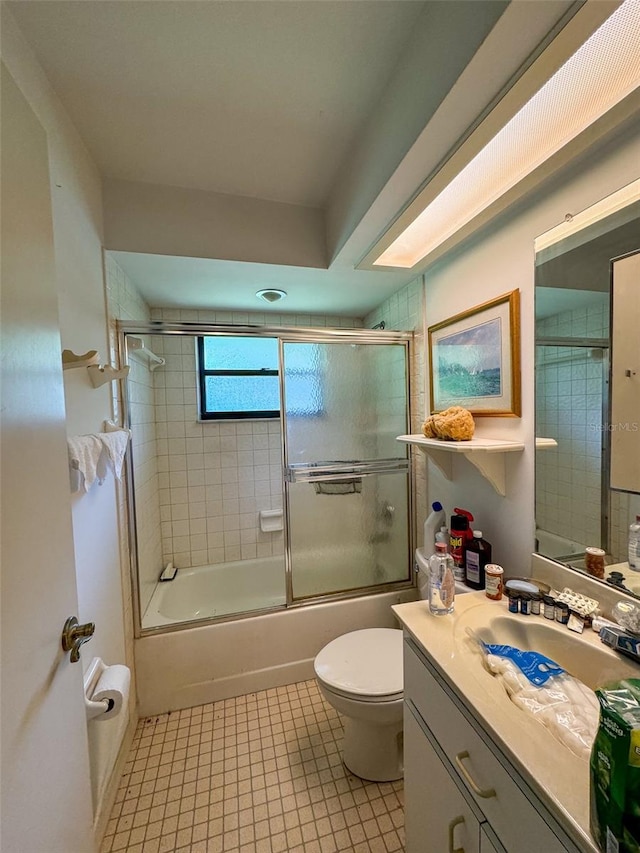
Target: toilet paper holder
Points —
{"points": [[102, 708]]}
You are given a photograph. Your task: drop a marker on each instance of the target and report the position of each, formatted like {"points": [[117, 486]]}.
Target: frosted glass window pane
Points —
{"points": [[303, 377], [242, 393], [237, 353]]}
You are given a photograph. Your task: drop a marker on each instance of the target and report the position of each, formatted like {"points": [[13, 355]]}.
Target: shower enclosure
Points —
{"points": [[264, 466], [572, 512]]}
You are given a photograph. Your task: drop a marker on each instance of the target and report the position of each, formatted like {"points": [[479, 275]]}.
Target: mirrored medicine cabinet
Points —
{"points": [[587, 297]]}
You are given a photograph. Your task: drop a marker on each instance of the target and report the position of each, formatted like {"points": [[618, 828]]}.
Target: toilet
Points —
{"points": [[360, 675]]}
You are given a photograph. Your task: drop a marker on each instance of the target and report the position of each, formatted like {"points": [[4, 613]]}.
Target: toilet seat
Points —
{"points": [[365, 665]]}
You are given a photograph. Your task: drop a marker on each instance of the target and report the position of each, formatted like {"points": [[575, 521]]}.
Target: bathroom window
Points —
{"points": [[239, 378]]}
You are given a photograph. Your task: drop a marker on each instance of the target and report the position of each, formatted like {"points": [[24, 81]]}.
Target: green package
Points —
{"points": [[615, 769]]}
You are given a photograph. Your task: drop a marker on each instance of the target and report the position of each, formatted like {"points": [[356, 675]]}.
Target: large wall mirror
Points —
{"points": [[588, 385]]}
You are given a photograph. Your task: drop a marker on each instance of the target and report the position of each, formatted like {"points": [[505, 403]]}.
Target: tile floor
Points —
{"points": [[256, 774]]}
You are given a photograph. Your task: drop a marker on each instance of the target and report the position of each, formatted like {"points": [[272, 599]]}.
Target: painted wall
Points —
{"points": [[77, 225], [496, 261]]}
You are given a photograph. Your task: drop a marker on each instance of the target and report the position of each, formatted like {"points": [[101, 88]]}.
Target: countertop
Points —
{"points": [[559, 778]]}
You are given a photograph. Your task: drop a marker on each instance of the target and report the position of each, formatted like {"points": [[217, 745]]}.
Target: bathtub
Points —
{"points": [[217, 590], [554, 546], [198, 665]]}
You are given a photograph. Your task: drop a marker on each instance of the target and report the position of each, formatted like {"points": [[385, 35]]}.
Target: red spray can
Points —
{"points": [[459, 534]]}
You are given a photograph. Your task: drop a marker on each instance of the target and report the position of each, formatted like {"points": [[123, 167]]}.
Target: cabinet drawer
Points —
{"points": [[513, 817], [437, 816]]}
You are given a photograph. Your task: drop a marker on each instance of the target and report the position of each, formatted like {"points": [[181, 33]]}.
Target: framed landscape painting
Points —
{"points": [[474, 359]]}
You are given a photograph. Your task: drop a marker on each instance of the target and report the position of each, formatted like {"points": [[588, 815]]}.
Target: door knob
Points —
{"points": [[74, 635]]}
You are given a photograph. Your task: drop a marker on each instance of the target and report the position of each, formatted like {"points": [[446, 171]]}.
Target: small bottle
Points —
{"points": [[459, 536], [476, 556], [493, 578], [594, 562], [443, 536], [549, 607], [634, 545], [432, 525], [442, 585]]}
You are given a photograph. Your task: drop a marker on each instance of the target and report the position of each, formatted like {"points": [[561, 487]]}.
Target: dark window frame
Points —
{"points": [[239, 415]]}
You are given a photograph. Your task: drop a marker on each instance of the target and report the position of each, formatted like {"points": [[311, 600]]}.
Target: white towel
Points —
{"points": [[115, 441], [86, 455]]}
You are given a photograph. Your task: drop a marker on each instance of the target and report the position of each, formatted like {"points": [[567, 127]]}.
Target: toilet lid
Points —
{"points": [[363, 663]]}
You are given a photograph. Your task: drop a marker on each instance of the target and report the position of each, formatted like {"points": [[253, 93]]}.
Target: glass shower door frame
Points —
{"points": [[282, 333], [341, 470]]}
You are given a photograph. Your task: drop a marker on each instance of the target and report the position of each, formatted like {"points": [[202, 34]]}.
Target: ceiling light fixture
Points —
{"points": [[599, 75], [271, 295]]}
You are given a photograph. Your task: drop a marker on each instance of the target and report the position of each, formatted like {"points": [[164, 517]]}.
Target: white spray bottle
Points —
{"points": [[435, 520]]}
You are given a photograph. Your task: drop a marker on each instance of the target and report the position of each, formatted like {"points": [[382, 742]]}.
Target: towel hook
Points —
{"points": [[101, 374]]}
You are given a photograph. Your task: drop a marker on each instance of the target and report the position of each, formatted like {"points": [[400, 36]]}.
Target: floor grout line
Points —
{"points": [[260, 773]]}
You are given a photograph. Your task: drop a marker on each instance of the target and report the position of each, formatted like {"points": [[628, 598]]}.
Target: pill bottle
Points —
{"points": [[493, 580], [594, 562], [549, 607]]}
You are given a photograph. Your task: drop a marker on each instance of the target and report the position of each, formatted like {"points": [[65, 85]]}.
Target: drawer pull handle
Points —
{"points": [[485, 793], [452, 827]]}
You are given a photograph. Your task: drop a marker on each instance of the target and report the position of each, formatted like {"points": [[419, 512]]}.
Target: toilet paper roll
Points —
{"points": [[113, 685]]}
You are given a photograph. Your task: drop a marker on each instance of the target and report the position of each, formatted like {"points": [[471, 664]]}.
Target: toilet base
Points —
{"points": [[373, 752]]}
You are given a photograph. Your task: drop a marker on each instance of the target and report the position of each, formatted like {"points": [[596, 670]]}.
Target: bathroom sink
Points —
{"points": [[582, 655]]}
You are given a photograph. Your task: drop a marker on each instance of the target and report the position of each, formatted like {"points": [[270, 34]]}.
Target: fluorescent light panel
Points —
{"points": [[598, 76], [613, 203]]}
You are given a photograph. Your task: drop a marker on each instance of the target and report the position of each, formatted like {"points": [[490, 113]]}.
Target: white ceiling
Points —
{"points": [[231, 285], [251, 98], [301, 102]]}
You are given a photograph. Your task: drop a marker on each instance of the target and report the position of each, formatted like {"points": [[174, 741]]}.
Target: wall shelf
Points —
{"points": [[485, 454], [545, 443]]}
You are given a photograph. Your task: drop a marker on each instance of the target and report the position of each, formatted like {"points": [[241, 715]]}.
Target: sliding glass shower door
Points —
{"points": [[347, 481]]}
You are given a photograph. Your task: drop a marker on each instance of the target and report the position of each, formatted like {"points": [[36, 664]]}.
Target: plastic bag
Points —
{"points": [[563, 704]]}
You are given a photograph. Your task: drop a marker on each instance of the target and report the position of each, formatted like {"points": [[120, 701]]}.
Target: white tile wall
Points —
{"points": [[569, 396], [215, 477]]}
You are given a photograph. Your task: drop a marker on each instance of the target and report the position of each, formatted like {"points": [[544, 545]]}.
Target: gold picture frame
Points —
{"points": [[474, 359]]}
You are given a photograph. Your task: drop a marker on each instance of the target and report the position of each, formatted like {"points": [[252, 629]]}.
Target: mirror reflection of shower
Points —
{"points": [[264, 468], [582, 326]]}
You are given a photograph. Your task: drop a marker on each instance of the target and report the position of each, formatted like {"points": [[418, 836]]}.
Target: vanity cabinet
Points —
{"points": [[458, 783], [488, 841], [437, 815]]}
